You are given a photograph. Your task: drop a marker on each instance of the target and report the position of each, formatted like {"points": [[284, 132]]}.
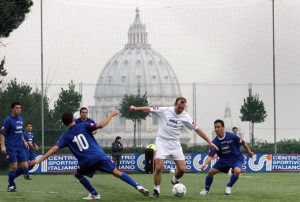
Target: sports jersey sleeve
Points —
{"points": [[90, 126], [189, 123], [211, 152], [61, 142], [238, 140], [5, 127], [157, 110]]}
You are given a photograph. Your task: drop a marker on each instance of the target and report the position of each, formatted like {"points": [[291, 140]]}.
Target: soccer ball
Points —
{"points": [[179, 190], [172, 171]]}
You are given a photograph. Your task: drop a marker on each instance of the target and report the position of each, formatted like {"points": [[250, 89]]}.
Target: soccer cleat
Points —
{"points": [[203, 192], [155, 194], [143, 190], [228, 190], [11, 189], [92, 197], [174, 181], [27, 177]]}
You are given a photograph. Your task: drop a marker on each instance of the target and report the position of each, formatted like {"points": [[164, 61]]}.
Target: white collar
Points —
{"points": [[222, 137]]}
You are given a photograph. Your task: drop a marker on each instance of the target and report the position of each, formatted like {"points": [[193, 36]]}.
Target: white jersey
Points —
{"points": [[171, 123]]}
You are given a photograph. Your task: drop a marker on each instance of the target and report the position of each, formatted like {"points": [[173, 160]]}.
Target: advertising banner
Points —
{"points": [[136, 162]]}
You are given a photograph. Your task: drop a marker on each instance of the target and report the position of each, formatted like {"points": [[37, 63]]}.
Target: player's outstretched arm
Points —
{"points": [[203, 135], [246, 146], [52, 151], [144, 109], [105, 121]]}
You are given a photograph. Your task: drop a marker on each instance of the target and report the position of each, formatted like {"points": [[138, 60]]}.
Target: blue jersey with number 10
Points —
{"points": [[81, 142]]}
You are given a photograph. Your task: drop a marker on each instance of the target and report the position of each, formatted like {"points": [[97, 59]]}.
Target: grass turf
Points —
{"points": [[250, 187]]}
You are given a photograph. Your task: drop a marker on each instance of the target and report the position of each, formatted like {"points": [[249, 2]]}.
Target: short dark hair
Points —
{"points": [[28, 124], [82, 108], [13, 104], [118, 137], [179, 98], [67, 118], [234, 128], [219, 121]]}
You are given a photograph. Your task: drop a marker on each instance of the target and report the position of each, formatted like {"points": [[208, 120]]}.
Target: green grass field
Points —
{"points": [[250, 187]]}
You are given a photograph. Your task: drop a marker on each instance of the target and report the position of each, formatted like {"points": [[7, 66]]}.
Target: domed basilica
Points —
{"points": [[136, 69]]}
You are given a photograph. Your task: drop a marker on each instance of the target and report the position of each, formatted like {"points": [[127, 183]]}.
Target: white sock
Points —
{"points": [[157, 188], [174, 179]]}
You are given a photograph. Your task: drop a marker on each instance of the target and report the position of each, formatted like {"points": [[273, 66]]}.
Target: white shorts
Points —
{"points": [[168, 149]]}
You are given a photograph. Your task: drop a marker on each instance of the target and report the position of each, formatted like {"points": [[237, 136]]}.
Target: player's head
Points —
{"points": [[118, 138], [83, 113], [235, 130], [67, 118], [180, 104], [28, 127], [15, 108], [219, 127]]}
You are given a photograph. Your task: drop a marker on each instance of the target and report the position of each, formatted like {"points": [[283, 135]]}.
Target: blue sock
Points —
{"points": [[208, 182], [126, 178], [26, 172], [11, 178], [19, 171], [232, 180], [86, 183]]}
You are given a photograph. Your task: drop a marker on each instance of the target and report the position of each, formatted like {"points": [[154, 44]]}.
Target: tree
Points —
{"points": [[136, 116], [2, 70], [12, 14], [68, 101], [253, 110], [30, 100]]}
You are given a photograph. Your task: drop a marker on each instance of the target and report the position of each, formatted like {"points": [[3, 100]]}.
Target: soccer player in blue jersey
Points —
{"points": [[84, 116], [29, 138], [14, 145], [229, 155], [80, 140]]}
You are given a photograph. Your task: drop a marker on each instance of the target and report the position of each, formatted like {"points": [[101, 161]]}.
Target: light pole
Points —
{"points": [[274, 74], [42, 81]]}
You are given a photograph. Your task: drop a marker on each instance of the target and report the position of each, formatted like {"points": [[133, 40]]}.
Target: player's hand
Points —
{"points": [[214, 146], [251, 154], [132, 108], [3, 149], [114, 112], [203, 166], [33, 162]]}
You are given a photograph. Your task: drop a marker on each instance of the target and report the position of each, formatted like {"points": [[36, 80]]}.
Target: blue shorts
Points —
{"points": [[225, 166], [17, 154], [104, 165], [30, 154]]}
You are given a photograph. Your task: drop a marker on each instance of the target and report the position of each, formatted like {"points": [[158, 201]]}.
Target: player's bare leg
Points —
{"points": [[181, 168], [126, 178], [159, 164]]}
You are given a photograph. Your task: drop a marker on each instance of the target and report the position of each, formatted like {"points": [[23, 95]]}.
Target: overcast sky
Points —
{"points": [[220, 44]]}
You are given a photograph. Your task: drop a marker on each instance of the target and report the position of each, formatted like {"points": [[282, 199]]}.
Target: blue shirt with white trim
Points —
{"points": [[12, 129], [229, 148]]}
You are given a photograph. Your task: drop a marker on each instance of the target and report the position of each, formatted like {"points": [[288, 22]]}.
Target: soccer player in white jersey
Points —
{"points": [[172, 121]]}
